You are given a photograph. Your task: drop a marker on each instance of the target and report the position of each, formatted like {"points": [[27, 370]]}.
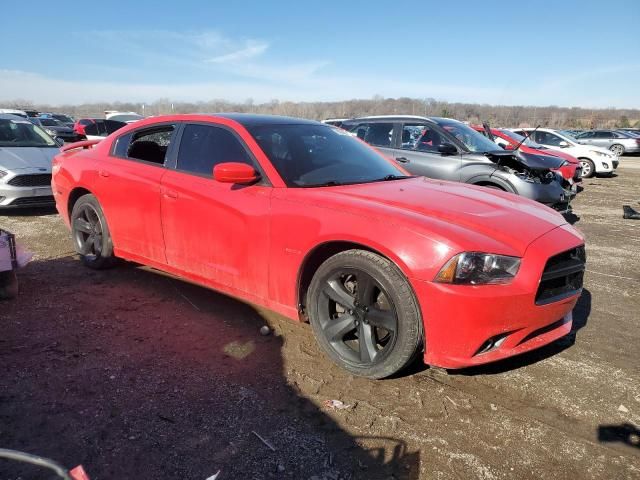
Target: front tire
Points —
{"points": [[90, 232], [588, 168], [364, 314]]}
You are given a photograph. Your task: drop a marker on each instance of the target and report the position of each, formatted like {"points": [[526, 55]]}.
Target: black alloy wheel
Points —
{"points": [[90, 233], [364, 314]]}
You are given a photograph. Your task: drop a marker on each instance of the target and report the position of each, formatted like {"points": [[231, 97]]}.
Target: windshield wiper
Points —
{"points": [[392, 177]]}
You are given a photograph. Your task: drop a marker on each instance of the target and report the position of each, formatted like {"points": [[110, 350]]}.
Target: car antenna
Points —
{"points": [[525, 138], [487, 131]]}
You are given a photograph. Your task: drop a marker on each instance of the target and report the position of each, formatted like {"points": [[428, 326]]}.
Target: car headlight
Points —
{"points": [[476, 268], [601, 154], [3, 174]]}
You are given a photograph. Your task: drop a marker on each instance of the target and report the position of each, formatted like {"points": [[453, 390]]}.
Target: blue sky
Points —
{"points": [[571, 53]]}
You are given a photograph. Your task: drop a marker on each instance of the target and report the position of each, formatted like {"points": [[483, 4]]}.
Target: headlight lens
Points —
{"points": [[602, 154], [476, 268], [3, 174]]}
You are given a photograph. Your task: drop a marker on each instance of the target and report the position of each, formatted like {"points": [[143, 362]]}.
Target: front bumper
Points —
{"points": [[606, 165], [25, 196], [461, 320], [552, 194]]}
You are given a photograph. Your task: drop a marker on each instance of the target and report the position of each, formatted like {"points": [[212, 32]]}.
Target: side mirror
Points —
{"points": [[563, 144], [235, 172], [507, 146], [59, 141], [447, 149]]}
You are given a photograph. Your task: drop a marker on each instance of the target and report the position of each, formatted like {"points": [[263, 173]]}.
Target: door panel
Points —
{"points": [[217, 231], [419, 153], [129, 193]]}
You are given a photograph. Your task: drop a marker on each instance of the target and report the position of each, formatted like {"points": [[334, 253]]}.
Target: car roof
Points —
{"points": [[390, 117], [9, 116], [252, 119]]}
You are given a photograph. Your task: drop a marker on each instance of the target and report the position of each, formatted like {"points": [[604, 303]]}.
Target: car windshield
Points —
{"points": [[126, 117], [570, 136], [474, 141], [49, 122], [321, 155], [22, 133], [518, 138], [63, 118]]}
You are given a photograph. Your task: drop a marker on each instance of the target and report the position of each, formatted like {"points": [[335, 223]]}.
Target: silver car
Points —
{"points": [[616, 141], [26, 152], [446, 149]]}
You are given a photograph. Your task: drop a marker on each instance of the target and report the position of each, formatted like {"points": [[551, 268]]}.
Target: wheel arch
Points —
{"points": [[321, 252], [74, 195]]}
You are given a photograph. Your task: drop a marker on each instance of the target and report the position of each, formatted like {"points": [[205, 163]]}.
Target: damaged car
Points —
{"points": [[446, 149]]}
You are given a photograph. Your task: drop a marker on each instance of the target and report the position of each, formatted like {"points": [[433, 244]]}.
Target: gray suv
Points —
{"points": [[446, 149], [616, 141]]}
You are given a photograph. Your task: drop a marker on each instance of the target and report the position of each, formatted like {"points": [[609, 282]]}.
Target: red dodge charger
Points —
{"points": [[306, 220]]}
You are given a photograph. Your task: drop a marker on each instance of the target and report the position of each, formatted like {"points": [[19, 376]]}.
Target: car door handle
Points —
{"points": [[170, 194], [402, 159], [103, 173]]}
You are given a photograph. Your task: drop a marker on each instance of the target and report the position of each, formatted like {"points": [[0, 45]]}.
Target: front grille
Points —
{"points": [[42, 200], [36, 180], [562, 277]]}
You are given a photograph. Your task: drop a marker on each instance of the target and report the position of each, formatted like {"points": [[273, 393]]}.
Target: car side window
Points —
{"points": [[547, 138], [377, 134], [604, 135], [586, 135], [151, 145], [421, 137], [202, 147]]}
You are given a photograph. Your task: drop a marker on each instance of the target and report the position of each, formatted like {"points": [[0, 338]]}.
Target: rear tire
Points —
{"points": [[617, 149], [90, 232], [364, 314], [588, 168]]}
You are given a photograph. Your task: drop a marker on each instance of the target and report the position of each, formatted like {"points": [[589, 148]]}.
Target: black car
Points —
{"points": [[57, 129]]}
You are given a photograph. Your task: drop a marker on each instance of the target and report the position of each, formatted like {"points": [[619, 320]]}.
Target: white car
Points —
{"points": [[13, 111], [26, 152], [592, 159]]}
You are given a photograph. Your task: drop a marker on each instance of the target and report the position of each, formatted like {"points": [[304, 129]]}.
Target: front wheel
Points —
{"points": [[90, 233], [588, 168], [364, 314]]}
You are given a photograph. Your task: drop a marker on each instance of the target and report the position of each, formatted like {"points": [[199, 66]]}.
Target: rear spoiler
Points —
{"points": [[84, 144]]}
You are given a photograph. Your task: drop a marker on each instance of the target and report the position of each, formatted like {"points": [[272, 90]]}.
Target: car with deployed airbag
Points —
{"points": [[304, 219]]}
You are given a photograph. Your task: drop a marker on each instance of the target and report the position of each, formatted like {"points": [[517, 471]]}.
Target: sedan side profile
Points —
{"points": [[305, 219], [618, 142]]}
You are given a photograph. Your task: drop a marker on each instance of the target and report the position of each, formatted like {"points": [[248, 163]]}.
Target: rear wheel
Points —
{"points": [[364, 314], [90, 233], [588, 168], [617, 149]]}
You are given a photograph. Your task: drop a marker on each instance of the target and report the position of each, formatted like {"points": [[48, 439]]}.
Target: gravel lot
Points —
{"points": [[138, 375]]}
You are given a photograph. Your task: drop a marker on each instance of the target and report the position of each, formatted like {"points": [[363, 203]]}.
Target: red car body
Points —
{"points": [[569, 172], [257, 242]]}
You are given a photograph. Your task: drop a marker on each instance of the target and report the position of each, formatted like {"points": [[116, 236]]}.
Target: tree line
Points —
{"points": [[497, 115]]}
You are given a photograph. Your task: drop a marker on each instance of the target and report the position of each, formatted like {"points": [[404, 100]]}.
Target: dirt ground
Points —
{"points": [[138, 375]]}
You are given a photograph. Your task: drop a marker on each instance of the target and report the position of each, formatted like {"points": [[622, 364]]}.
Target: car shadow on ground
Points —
{"points": [[581, 313], [135, 374], [625, 433], [28, 212]]}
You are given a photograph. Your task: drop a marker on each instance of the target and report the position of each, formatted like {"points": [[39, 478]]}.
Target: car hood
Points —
{"points": [[539, 161], [15, 158], [550, 152], [431, 206]]}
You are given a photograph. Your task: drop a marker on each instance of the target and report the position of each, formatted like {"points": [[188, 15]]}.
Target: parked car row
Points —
{"points": [[28, 142]]}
